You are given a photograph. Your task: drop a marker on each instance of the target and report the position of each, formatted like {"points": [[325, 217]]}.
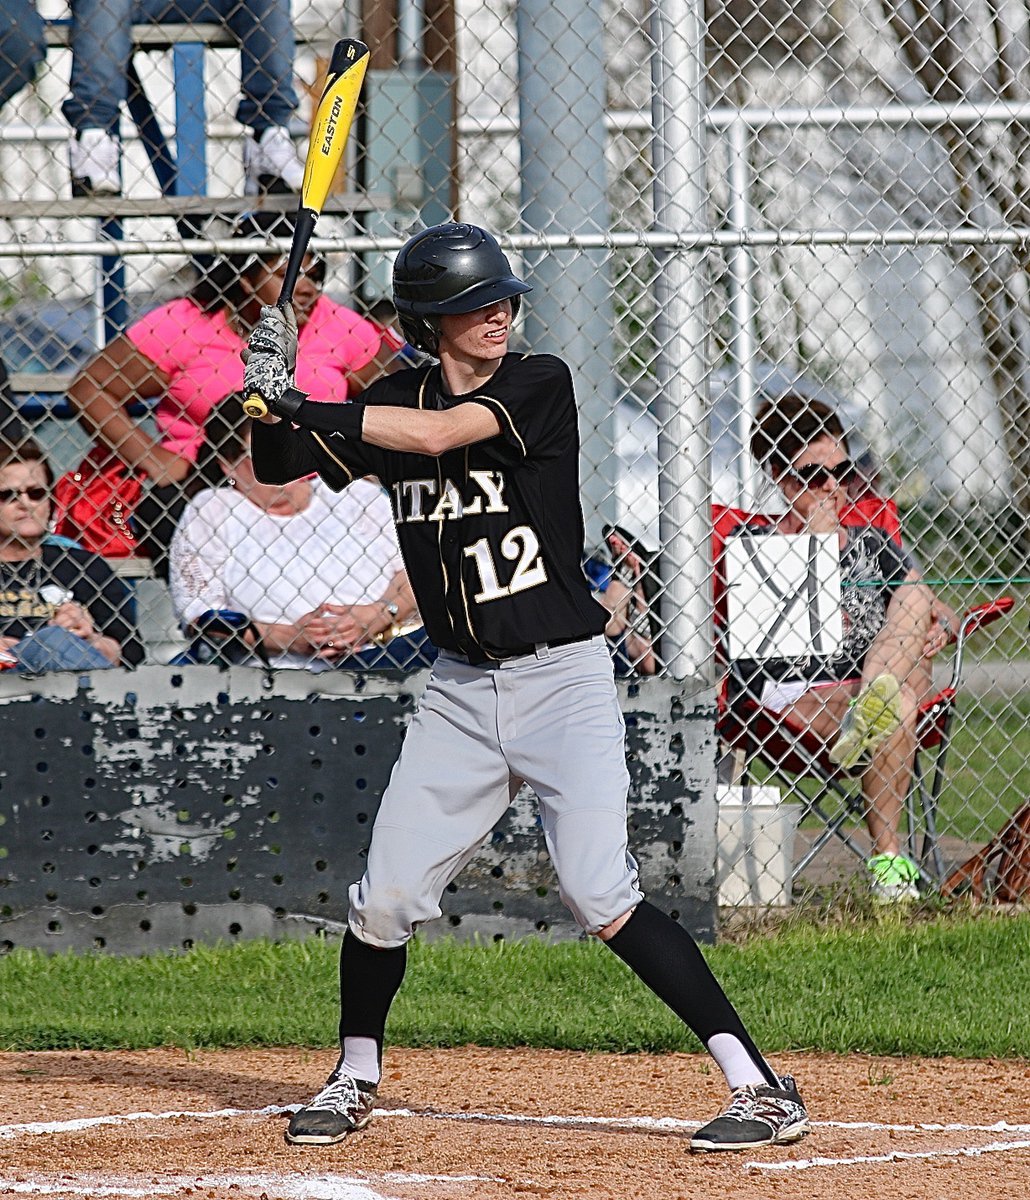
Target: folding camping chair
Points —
{"points": [[752, 733]]}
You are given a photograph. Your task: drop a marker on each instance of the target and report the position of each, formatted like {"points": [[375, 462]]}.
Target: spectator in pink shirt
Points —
{"points": [[186, 356]]}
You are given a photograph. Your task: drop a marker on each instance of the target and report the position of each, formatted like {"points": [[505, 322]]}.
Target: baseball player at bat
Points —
{"points": [[480, 455]]}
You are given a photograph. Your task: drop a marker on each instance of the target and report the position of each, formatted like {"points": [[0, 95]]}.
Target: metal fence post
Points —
{"points": [[563, 186], [680, 207], [742, 307]]}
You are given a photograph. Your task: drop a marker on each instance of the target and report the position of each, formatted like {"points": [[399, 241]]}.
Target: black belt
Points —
{"points": [[521, 652]]}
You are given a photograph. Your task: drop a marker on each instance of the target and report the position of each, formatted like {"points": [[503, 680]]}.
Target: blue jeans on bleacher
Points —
{"points": [[406, 652], [101, 41], [22, 47], [55, 649]]}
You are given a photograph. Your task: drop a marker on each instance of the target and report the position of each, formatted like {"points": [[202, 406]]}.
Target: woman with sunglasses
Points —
{"points": [[61, 608], [186, 355], [862, 701]]}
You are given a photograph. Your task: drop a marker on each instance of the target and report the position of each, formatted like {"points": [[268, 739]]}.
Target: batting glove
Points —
{"points": [[271, 355], [275, 333]]}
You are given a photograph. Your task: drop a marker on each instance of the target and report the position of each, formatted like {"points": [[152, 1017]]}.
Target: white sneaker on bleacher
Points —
{"points": [[272, 163], [95, 159]]}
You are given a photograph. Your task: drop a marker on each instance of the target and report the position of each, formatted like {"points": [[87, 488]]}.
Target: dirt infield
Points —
{"points": [[487, 1124]]}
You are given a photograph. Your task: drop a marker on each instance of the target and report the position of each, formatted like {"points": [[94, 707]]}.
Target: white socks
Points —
{"points": [[735, 1062], [360, 1059]]}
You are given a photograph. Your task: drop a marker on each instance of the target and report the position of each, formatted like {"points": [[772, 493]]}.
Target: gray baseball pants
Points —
{"points": [[551, 719]]}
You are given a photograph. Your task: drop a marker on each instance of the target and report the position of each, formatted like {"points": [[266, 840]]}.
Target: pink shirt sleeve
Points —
{"points": [[171, 335], [334, 342], [200, 355]]}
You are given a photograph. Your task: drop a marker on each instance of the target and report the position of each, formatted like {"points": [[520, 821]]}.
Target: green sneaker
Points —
{"points": [[894, 878], [873, 715]]}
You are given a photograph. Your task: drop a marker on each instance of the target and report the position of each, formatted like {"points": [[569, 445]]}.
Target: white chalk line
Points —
{"points": [[73, 1125], [344, 1188], [324, 1187], [659, 1124], [339, 1188], [864, 1160], [925, 1127]]}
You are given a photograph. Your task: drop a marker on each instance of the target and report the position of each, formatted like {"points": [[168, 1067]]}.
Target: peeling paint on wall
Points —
{"points": [[159, 807]]}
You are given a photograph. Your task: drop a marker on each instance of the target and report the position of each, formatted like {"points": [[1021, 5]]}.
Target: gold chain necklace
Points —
{"points": [[34, 584], [25, 593]]}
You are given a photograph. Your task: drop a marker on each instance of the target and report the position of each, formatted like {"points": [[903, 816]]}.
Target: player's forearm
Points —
{"points": [[405, 430], [278, 454], [432, 433], [387, 427], [392, 428]]}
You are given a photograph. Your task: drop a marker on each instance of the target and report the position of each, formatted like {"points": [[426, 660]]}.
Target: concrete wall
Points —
{"points": [[159, 808]]}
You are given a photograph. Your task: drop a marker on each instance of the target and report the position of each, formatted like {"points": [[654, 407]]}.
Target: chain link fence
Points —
{"points": [[756, 213]]}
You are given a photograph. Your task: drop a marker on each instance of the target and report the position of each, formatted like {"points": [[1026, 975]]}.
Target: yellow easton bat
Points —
{"points": [[329, 134]]}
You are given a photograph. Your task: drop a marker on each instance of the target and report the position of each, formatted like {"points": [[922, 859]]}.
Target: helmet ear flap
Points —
{"points": [[430, 334], [420, 331]]}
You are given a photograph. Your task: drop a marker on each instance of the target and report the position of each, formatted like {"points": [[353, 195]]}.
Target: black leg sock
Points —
{"points": [[369, 979], [665, 957]]}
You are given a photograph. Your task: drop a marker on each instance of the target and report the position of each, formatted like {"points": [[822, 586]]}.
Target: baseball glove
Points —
{"points": [[1001, 870]]}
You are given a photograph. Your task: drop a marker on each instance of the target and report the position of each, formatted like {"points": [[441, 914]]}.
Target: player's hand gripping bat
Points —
{"points": [[328, 137]]}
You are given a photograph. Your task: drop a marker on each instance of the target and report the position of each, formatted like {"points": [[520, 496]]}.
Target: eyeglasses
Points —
{"points": [[315, 268], [33, 494], [818, 475]]}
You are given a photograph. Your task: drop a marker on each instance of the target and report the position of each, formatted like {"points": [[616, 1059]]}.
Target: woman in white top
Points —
{"points": [[317, 574]]}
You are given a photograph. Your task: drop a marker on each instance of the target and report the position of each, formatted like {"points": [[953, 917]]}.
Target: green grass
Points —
{"points": [[977, 545], [957, 986], [988, 773]]}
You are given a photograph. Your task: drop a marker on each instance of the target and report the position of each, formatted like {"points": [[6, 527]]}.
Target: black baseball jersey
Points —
{"points": [[492, 533]]}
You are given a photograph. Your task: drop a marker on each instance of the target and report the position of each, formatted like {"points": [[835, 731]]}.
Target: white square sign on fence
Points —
{"points": [[783, 595]]}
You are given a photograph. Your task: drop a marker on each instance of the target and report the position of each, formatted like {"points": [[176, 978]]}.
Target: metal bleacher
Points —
{"points": [[181, 174]]}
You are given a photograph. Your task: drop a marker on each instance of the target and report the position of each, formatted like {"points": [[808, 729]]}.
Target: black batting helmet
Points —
{"points": [[450, 268]]}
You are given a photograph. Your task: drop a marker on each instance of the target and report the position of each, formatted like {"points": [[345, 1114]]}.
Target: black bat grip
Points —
{"points": [[303, 228]]}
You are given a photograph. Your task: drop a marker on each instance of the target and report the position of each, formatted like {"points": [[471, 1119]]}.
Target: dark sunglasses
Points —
{"points": [[816, 475], [315, 268], [33, 494]]}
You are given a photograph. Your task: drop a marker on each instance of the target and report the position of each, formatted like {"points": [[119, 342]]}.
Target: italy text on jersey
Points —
{"points": [[491, 532]]}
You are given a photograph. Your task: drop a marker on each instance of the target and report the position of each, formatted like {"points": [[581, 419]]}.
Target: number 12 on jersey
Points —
{"points": [[520, 546]]}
